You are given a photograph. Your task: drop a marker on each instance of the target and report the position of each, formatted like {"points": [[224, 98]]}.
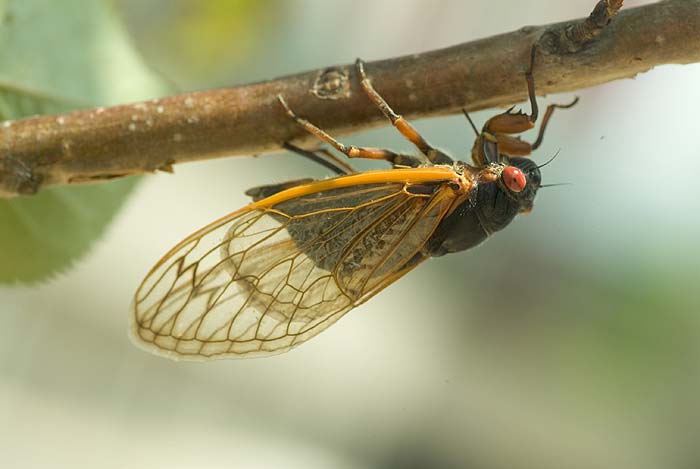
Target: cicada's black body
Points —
{"points": [[493, 207]]}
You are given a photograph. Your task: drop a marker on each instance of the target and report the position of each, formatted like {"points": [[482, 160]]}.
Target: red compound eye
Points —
{"points": [[514, 179]]}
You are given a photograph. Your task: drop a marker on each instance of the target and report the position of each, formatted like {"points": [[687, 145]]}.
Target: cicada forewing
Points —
{"points": [[274, 274]]}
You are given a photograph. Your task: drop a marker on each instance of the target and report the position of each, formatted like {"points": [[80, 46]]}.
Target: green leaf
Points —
{"points": [[199, 34], [54, 57], [50, 230]]}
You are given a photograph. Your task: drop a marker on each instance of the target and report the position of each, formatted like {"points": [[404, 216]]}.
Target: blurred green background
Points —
{"points": [[570, 340]]}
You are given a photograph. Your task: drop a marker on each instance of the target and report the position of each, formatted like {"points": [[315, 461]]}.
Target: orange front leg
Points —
{"points": [[496, 136]]}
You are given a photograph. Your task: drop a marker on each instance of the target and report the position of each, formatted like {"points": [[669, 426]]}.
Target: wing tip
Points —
{"points": [[137, 333], [136, 336]]}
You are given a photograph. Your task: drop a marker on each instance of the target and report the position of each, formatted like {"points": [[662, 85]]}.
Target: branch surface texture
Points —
{"points": [[104, 143]]}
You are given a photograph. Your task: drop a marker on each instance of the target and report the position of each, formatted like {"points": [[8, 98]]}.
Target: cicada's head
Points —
{"points": [[520, 180], [511, 192], [509, 189]]}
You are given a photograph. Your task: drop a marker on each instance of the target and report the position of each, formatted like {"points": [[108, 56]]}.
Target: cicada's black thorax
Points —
{"points": [[491, 210]]}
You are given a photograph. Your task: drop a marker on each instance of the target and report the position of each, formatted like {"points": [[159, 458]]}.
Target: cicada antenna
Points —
{"points": [[549, 160]]}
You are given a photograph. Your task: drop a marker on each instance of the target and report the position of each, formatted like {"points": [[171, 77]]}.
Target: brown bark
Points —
{"points": [[99, 144]]}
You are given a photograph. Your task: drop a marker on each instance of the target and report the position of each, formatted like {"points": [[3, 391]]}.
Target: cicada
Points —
{"points": [[274, 274]]}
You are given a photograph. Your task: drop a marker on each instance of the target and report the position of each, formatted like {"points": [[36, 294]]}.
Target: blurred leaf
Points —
{"points": [[45, 233], [54, 57], [203, 42], [221, 25]]}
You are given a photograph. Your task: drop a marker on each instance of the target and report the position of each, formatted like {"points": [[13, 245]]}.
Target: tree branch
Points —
{"points": [[99, 144]]}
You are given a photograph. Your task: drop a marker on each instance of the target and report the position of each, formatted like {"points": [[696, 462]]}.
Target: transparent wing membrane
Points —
{"points": [[267, 278]]}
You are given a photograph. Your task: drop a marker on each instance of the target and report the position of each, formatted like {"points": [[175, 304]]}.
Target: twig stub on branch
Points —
{"points": [[575, 36]]}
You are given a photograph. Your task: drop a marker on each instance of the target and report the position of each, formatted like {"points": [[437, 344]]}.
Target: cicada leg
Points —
{"points": [[496, 136], [548, 115], [324, 158], [434, 155], [351, 151], [320, 156]]}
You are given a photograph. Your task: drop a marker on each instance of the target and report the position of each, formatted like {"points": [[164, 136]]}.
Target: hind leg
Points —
{"points": [[351, 151], [409, 132]]}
